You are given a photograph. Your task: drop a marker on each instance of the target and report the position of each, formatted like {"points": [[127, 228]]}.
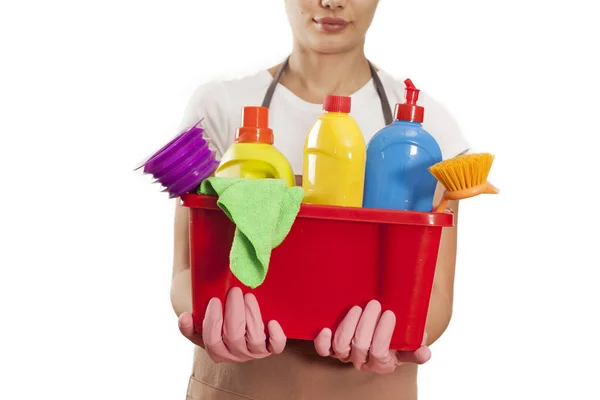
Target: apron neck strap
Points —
{"points": [[385, 104]]}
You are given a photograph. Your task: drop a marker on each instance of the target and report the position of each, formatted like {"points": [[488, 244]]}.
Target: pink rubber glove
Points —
{"points": [[363, 338], [237, 336]]}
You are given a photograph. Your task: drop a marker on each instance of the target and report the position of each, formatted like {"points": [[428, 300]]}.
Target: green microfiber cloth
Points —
{"points": [[263, 211]]}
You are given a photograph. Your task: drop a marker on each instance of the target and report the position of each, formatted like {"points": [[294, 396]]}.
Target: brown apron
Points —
{"points": [[297, 374]]}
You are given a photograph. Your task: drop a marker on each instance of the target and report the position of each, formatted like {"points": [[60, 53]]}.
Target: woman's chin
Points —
{"points": [[327, 44]]}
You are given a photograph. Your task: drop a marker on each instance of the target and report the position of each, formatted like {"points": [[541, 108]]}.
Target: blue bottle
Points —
{"points": [[397, 173]]}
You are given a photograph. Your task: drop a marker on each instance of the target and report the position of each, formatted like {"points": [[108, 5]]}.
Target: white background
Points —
{"points": [[89, 88]]}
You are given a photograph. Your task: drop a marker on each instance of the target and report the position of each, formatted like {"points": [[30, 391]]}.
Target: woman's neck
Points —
{"points": [[312, 75]]}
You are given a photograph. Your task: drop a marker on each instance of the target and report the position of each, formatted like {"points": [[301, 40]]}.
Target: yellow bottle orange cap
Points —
{"points": [[255, 126]]}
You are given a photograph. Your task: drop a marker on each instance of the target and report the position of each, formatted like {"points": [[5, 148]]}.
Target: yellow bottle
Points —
{"points": [[334, 157], [253, 155]]}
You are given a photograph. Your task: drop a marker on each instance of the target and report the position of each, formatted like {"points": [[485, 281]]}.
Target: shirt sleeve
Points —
{"points": [[209, 103], [443, 127]]}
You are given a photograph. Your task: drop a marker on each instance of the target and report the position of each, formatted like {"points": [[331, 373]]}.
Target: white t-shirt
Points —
{"points": [[220, 104]]}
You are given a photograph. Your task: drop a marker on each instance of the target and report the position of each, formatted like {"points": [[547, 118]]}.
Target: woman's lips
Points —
{"points": [[328, 24]]}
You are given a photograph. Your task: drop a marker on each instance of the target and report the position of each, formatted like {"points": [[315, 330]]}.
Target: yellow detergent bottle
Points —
{"points": [[334, 157], [253, 155]]}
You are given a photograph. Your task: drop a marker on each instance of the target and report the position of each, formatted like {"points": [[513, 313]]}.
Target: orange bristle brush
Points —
{"points": [[464, 176]]}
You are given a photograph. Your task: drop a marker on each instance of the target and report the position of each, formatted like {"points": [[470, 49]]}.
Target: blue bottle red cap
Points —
{"points": [[409, 110]]}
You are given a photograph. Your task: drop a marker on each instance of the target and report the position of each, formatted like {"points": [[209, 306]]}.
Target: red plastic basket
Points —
{"points": [[332, 259]]}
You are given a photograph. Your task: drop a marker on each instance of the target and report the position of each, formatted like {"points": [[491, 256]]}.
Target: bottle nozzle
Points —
{"points": [[411, 93], [409, 110]]}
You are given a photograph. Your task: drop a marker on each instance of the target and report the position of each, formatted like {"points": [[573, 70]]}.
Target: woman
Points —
{"points": [[235, 359]]}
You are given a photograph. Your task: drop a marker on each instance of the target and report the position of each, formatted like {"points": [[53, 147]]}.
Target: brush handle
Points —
{"points": [[491, 189], [486, 188], [443, 204]]}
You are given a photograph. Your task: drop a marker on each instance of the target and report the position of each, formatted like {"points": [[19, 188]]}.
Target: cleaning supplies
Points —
{"points": [[263, 211], [253, 155], [464, 176], [334, 157], [183, 163], [398, 158]]}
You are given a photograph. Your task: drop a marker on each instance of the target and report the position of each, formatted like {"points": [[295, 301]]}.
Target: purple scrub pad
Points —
{"points": [[197, 160], [177, 143], [183, 163], [197, 149], [192, 180]]}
